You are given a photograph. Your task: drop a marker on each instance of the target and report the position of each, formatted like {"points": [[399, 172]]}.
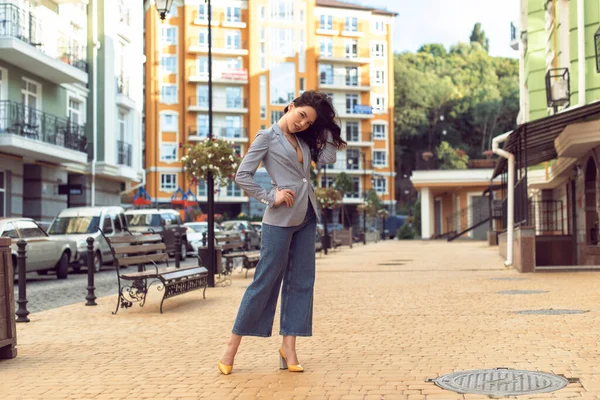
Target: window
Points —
{"points": [[380, 185], [201, 190], [378, 27], [168, 94], [352, 132], [168, 123], [378, 50], [168, 152], [301, 85], [355, 193], [325, 183], [351, 49], [233, 127], [263, 56], [172, 11], [233, 40], [326, 47], [233, 63], [122, 123], [282, 83], [234, 97], [233, 190], [10, 231], [168, 182], [202, 66], [379, 158], [168, 64], [379, 77], [326, 22], [202, 125], [237, 149], [202, 96], [263, 97], [351, 102], [75, 111], [379, 104], [351, 24], [282, 10], [116, 220], [203, 37], [352, 159], [281, 42], [31, 97], [203, 12], [29, 229], [168, 35], [351, 76], [3, 197], [379, 131], [261, 12], [233, 14], [326, 74], [276, 116]]}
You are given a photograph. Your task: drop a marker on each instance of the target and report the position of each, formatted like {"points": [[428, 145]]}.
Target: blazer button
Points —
{"points": [[304, 180]]}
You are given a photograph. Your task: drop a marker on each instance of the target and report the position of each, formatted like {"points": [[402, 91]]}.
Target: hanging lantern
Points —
{"points": [[163, 7]]}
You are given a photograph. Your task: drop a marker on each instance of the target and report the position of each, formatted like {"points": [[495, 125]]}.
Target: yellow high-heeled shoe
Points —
{"points": [[284, 365], [224, 368]]}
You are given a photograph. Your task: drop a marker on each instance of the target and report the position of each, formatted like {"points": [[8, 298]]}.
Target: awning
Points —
{"points": [[536, 138]]}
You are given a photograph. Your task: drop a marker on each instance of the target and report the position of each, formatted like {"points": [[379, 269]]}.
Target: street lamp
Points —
{"points": [[326, 233], [163, 7], [364, 160], [210, 184]]}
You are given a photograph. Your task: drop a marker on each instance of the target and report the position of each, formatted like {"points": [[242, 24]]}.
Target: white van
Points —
{"points": [[79, 223]]}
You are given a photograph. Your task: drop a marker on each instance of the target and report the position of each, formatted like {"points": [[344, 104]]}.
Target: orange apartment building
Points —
{"points": [[265, 53]]}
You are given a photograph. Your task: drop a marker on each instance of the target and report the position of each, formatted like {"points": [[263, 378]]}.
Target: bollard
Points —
{"points": [[22, 312], [247, 241], [177, 244], [204, 240], [91, 296]]}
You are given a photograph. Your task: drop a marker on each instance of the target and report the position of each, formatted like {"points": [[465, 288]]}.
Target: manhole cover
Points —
{"points": [[508, 279], [551, 311], [522, 291], [501, 382]]}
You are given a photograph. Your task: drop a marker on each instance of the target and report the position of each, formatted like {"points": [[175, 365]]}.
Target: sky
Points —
{"points": [[448, 22]]}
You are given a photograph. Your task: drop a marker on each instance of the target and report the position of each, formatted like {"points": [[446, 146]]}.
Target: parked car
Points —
{"points": [[195, 231], [258, 226], [44, 253], [79, 223], [243, 228], [44, 225], [163, 221]]}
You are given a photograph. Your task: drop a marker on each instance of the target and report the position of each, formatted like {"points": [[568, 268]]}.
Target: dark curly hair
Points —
{"points": [[316, 135]]}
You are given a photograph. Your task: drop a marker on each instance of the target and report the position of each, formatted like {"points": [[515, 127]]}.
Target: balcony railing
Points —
{"points": [[344, 52], [23, 25], [123, 153], [224, 74], [341, 80], [350, 164], [123, 85], [218, 44], [352, 109], [352, 137], [232, 103], [19, 119], [219, 131], [548, 217]]}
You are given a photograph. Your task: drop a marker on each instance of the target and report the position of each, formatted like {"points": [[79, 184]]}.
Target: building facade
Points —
{"points": [[62, 65], [266, 53]]}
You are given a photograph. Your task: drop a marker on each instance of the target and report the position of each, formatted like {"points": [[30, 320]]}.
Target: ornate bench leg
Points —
{"points": [[205, 286], [163, 300]]}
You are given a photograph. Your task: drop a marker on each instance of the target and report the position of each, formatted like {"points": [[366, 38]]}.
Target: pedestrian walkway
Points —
{"points": [[388, 317]]}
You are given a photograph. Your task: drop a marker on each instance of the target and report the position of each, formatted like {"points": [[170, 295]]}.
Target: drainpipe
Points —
{"points": [[510, 207], [581, 50], [95, 49]]}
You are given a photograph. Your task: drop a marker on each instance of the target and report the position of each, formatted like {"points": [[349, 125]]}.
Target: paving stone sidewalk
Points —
{"points": [[388, 317]]}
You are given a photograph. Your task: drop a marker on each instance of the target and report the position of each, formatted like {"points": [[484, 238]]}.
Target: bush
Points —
{"points": [[406, 232]]}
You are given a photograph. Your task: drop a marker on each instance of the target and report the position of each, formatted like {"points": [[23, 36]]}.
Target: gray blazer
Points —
{"points": [[281, 162]]}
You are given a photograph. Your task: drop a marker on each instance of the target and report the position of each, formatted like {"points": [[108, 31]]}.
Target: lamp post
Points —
{"points": [[326, 233], [210, 184], [364, 160]]}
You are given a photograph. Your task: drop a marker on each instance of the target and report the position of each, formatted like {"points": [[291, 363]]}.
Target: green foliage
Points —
{"points": [[451, 158], [343, 182], [478, 36], [328, 198], [406, 232], [417, 216], [215, 155]]}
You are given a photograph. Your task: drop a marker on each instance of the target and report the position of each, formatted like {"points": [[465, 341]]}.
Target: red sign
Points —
{"points": [[235, 74]]}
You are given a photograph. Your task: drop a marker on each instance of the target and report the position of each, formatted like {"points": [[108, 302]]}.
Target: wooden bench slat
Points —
{"points": [[146, 259], [140, 248], [184, 273], [135, 239]]}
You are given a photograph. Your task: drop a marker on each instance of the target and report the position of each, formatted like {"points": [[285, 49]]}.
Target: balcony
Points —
{"points": [[32, 133], [345, 55], [219, 46], [124, 153], [234, 134], [343, 82], [354, 111], [225, 76], [221, 104], [123, 92], [25, 45], [362, 139], [351, 166]]}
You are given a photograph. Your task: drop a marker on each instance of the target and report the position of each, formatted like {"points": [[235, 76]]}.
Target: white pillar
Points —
{"points": [[426, 213]]}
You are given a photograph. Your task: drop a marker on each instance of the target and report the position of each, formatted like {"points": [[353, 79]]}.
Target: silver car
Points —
{"points": [[44, 253]]}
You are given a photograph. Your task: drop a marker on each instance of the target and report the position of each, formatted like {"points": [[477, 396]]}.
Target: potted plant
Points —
{"points": [[216, 156], [427, 155]]}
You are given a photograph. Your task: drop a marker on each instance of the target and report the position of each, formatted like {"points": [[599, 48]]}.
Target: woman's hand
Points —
{"points": [[284, 196]]}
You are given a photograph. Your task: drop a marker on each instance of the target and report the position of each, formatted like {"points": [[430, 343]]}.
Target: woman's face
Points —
{"points": [[300, 118]]}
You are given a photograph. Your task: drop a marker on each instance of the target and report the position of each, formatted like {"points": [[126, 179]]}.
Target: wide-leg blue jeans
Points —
{"points": [[287, 254]]}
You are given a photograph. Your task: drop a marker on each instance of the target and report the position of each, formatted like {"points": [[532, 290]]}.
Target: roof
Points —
{"points": [[351, 6], [451, 176], [536, 138]]}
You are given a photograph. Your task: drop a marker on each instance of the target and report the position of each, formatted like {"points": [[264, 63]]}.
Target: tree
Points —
{"points": [[478, 35], [343, 184], [451, 158]]}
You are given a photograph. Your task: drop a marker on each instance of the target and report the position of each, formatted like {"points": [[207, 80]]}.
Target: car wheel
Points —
{"points": [[76, 268], [42, 272], [62, 270], [183, 251], [97, 262]]}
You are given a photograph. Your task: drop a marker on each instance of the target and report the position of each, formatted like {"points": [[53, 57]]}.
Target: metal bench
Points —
{"points": [[233, 248], [142, 250]]}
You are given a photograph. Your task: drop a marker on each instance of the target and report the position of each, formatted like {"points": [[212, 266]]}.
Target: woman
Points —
{"points": [[306, 132]]}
